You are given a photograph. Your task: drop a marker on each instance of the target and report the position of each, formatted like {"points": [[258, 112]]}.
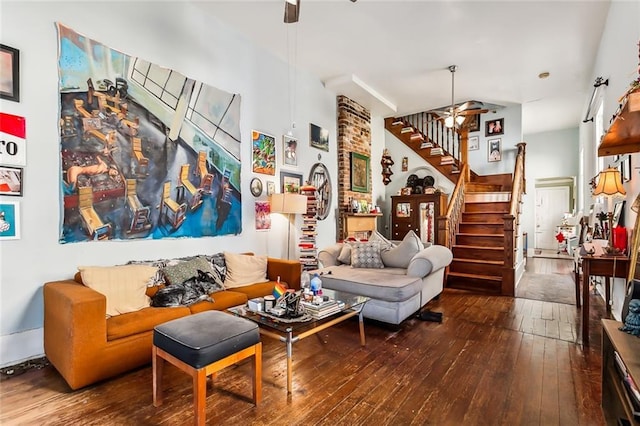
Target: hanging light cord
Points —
{"points": [[292, 52]]}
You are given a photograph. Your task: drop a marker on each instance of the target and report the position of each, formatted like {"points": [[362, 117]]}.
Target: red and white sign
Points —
{"points": [[13, 142]]}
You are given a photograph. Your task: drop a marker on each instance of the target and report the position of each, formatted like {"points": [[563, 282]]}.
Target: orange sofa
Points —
{"points": [[85, 346]]}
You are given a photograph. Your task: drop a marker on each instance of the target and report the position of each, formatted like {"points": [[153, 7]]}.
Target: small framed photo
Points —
{"points": [[9, 220], [290, 182], [494, 127], [318, 137], [256, 187], [11, 179], [271, 187], [289, 148], [473, 122], [9, 73], [495, 149], [474, 143], [359, 172]]}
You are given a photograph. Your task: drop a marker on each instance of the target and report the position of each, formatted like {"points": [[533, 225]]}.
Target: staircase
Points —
{"points": [[481, 222]]}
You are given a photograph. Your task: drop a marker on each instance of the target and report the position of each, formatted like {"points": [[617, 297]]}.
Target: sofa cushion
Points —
{"points": [[244, 269], [384, 242], [328, 256], [123, 286], [216, 260], [223, 300], [400, 255], [345, 254], [182, 271], [366, 255], [141, 321], [428, 260]]}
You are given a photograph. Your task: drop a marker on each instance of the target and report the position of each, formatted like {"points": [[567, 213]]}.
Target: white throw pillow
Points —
{"points": [[401, 255], [243, 269], [124, 286], [345, 254], [384, 242]]}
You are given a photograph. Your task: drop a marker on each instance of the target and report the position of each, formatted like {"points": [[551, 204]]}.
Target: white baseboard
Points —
{"points": [[19, 347]]}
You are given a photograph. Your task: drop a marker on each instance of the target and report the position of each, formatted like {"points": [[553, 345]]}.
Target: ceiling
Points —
{"points": [[393, 56]]}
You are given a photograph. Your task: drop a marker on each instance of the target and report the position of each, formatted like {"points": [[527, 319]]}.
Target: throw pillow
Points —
{"points": [[244, 269], [366, 255], [401, 255], [182, 271], [384, 242], [345, 254], [123, 286]]}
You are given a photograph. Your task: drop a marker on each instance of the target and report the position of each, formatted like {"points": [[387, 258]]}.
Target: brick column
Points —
{"points": [[354, 135]]}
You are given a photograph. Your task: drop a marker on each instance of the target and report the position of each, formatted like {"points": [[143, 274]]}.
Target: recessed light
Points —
{"points": [[544, 75]]}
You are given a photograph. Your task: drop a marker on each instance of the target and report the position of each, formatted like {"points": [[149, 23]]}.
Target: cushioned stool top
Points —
{"points": [[203, 338]]}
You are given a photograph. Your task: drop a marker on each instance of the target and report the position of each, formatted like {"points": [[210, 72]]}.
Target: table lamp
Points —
{"points": [[610, 185], [288, 203]]}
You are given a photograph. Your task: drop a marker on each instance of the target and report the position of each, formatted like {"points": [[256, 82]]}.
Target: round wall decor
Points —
{"points": [[319, 177], [256, 187]]}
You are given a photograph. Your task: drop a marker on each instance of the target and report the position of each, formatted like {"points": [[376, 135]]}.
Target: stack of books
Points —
{"points": [[322, 310]]}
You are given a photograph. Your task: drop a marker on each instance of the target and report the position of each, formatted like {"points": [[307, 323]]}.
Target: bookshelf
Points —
{"points": [[620, 360], [307, 244]]}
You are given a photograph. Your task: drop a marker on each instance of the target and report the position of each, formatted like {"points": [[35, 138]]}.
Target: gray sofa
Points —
{"points": [[396, 292]]}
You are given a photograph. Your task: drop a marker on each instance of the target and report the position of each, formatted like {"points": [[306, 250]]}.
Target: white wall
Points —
{"points": [[617, 60], [172, 34]]}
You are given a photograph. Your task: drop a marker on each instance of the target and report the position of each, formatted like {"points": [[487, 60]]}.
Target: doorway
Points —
{"points": [[554, 198]]}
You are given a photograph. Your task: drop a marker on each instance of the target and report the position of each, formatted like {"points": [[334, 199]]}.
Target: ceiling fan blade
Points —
{"points": [[291, 11]]}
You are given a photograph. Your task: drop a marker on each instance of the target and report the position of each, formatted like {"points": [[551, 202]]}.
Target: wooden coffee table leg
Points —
{"points": [[289, 343], [361, 323]]}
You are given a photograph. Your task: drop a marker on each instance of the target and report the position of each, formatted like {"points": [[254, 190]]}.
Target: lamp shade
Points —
{"points": [[609, 183], [288, 203]]}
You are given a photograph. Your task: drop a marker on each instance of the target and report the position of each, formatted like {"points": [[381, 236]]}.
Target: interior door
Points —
{"points": [[551, 205]]}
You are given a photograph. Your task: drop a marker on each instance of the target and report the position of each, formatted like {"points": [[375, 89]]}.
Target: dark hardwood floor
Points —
{"points": [[493, 361]]}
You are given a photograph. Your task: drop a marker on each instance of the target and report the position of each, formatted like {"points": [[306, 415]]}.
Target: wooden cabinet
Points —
{"points": [[417, 213], [359, 225], [620, 358]]}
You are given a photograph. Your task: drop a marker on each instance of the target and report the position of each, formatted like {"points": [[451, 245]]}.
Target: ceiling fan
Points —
{"points": [[455, 114]]}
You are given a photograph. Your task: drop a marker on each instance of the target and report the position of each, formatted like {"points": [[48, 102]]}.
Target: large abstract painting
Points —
{"points": [[146, 152]]}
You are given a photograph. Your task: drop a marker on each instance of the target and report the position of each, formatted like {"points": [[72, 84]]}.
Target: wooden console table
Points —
{"points": [[359, 224], [599, 266]]}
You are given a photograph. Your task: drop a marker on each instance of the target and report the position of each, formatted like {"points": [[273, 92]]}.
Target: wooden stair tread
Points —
{"points": [[487, 212], [479, 235], [466, 260], [475, 276], [477, 247], [482, 223]]}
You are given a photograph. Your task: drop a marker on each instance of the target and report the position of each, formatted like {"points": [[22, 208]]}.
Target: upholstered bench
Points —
{"points": [[201, 345]]}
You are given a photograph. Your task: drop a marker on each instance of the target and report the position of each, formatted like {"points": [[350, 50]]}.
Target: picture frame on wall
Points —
{"points": [[11, 179], [263, 151], [474, 143], [318, 137], [290, 182], [289, 148], [359, 172], [494, 127], [271, 187], [256, 187], [473, 122], [9, 220], [9, 73], [494, 147]]}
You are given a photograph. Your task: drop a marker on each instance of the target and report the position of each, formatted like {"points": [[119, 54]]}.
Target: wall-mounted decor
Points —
{"points": [[289, 147], [318, 137], [359, 172], [263, 215], [474, 143], [263, 149], [320, 179], [134, 165], [405, 164], [290, 182], [494, 127], [13, 142], [9, 73], [11, 179], [9, 220], [495, 149], [472, 122], [256, 187], [386, 164], [271, 187]]}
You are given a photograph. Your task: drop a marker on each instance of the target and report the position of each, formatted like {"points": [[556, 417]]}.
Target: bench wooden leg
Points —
{"points": [[199, 395], [257, 374], [158, 368]]}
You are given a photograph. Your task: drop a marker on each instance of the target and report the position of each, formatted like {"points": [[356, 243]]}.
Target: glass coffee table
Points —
{"points": [[291, 332]]}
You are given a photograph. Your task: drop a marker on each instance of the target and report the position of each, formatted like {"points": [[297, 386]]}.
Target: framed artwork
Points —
{"points": [[473, 122], [263, 150], [319, 177], [405, 164], [289, 147], [263, 215], [271, 187], [474, 143], [11, 179], [359, 172], [495, 150], [9, 73], [291, 182], [318, 137], [9, 220], [494, 127], [256, 187]]}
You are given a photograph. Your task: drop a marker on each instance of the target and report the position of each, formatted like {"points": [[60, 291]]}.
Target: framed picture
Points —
{"points": [[256, 187], [359, 172], [318, 137], [473, 122], [289, 147], [9, 73], [474, 143], [495, 149], [291, 182], [263, 215], [625, 173], [11, 179], [9, 220], [271, 187], [405, 164], [263, 153], [494, 127]]}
